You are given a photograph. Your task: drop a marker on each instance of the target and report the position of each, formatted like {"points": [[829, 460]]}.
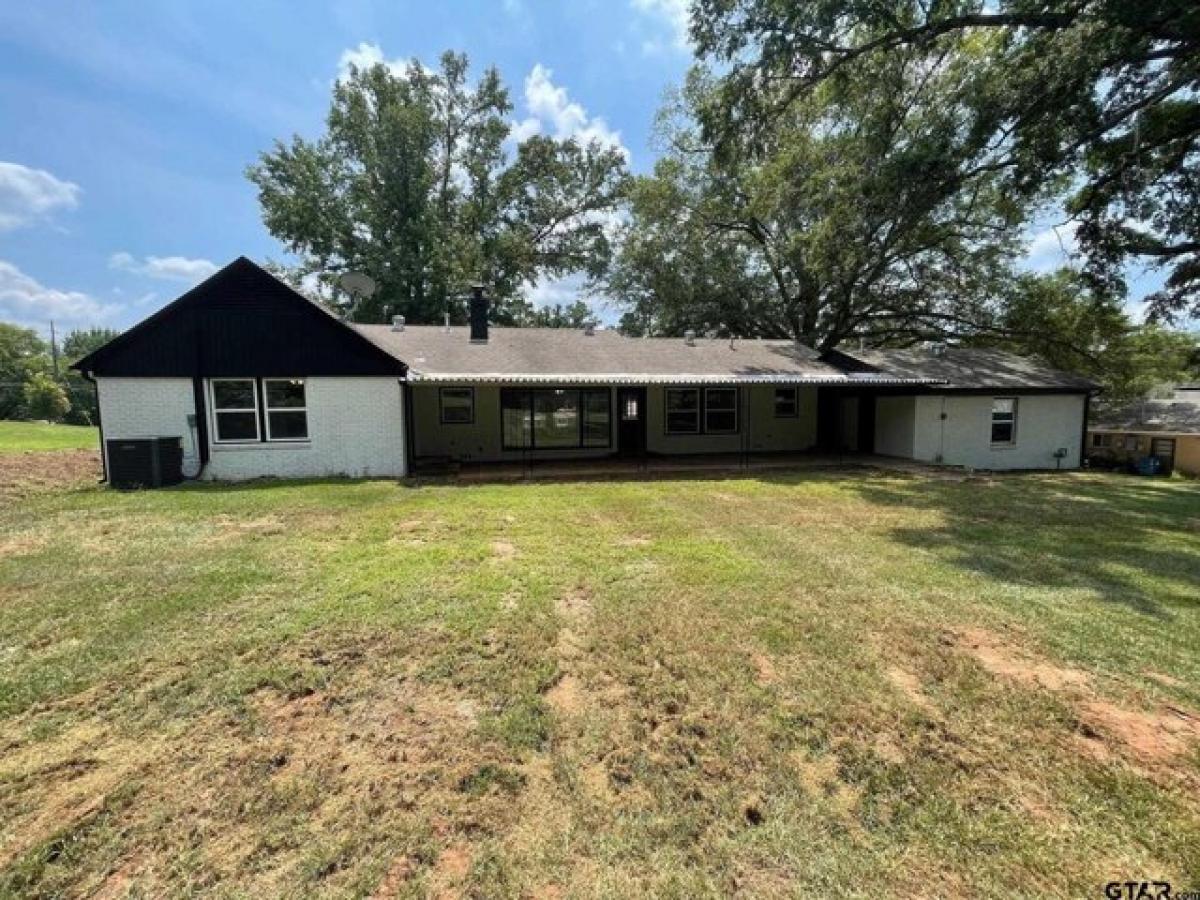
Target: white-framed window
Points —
{"points": [[457, 405], [787, 406], [1004, 420], [720, 410], [683, 410], [235, 410], [286, 405]]}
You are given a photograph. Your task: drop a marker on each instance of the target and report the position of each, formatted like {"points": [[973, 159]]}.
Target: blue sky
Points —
{"points": [[126, 127]]}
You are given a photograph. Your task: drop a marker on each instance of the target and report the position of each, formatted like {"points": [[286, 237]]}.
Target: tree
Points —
{"points": [[45, 398], [574, 315], [412, 184], [22, 353], [76, 345], [848, 221], [1099, 97], [1062, 319]]}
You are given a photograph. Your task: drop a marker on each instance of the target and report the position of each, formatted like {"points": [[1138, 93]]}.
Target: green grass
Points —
{"points": [[18, 437], [836, 684]]}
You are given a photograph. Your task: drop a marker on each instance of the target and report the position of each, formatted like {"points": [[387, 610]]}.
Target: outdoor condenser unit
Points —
{"points": [[145, 462]]}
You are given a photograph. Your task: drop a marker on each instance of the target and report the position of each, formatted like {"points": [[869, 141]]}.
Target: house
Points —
{"points": [[1168, 429], [256, 380]]}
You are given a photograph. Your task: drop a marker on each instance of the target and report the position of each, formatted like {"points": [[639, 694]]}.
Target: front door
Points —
{"points": [[1164, 449], [631, 421]]}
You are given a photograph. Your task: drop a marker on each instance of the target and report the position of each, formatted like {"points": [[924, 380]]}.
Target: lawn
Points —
{"points": [[816, 684], [16, 437]]}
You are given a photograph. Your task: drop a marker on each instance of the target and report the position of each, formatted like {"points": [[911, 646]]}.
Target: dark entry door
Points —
{"points": [[1164, 449], [631, 421]]}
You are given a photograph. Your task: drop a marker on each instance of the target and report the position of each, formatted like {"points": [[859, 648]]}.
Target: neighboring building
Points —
{"points": [[259, 381], [1168, 429]]}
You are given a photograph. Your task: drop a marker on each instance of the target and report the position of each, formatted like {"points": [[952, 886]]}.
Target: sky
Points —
{"points": [[126, 127]]}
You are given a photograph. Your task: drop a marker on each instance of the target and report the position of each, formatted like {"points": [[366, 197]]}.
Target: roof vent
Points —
{"points": [[397, 323], [589, 329], [689, 337]]}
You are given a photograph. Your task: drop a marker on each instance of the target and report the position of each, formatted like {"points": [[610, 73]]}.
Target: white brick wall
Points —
{"points": [[355, 425], [149, 407], [1045, 422]]}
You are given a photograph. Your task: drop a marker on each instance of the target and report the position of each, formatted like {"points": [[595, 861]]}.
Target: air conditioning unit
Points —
{"points": [[144, 462]]}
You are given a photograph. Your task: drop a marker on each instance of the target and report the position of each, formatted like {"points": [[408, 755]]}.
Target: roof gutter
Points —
{"points": [[647, 378]]}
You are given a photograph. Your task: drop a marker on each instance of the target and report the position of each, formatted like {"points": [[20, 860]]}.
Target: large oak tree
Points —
{"points": [[413, 183], [1098, 98]]}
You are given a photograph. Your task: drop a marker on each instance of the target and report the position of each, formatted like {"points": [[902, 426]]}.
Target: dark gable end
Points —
{"points": [[241, 321]]}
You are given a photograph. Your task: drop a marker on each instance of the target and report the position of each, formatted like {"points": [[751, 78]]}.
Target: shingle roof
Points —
{"points": [[967, 368], [563, 355], [1165, 416]]}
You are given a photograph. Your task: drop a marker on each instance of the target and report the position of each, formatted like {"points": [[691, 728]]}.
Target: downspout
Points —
{"points": [[1087, 408], [200, 432], [100, 426], [406, 393]]}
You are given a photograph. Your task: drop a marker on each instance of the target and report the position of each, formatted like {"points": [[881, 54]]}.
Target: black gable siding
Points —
{"points": [[242, 321]]}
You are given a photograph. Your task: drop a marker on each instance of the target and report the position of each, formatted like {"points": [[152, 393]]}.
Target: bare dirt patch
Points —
{"points": [[1150, 737], [567, 696], [1000, 657], [449, 870], [1155, 737], [503, 550], [910, 686], [764, 669], [26, 473]]}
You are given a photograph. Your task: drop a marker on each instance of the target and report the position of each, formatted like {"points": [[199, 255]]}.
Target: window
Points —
{"points": [[287, 410], [457, 405], [720, 411], [235, 409], [554, 419], [596, 427], [683, 411], [1100, 441], [1004, 420], [786, 404]]}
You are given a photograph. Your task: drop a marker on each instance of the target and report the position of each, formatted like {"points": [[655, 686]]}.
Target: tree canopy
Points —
{"points": [[858, 216], [414, 184], [1095, 97]]}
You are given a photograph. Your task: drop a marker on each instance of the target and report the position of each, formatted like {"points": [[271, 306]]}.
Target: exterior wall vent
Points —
{"points": [[397, 323]]}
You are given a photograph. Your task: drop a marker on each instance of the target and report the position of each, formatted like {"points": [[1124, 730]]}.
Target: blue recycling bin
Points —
{"points": [[1149, 465]]}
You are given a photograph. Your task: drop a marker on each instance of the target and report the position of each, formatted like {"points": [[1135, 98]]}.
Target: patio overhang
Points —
{"points": [[683, 378]]}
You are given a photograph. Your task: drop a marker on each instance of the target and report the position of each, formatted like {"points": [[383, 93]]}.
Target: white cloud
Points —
{"points": [[28, 195], [168, 268], [553, 112], [1051, 248], [31, 304], [365, 55], [674, 15]]}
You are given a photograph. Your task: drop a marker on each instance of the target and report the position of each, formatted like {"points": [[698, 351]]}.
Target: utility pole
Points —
{"points": [[54, 349]]}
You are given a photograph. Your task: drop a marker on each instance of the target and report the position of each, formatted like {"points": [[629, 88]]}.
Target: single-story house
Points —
{"points": [[256, 380], [1168, 429]]}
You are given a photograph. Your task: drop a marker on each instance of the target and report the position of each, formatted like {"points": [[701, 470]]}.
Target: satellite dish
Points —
{"points": [[357, 284]]}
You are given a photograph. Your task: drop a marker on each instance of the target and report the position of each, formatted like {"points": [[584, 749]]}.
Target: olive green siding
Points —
{"points": [[759, 430]]}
